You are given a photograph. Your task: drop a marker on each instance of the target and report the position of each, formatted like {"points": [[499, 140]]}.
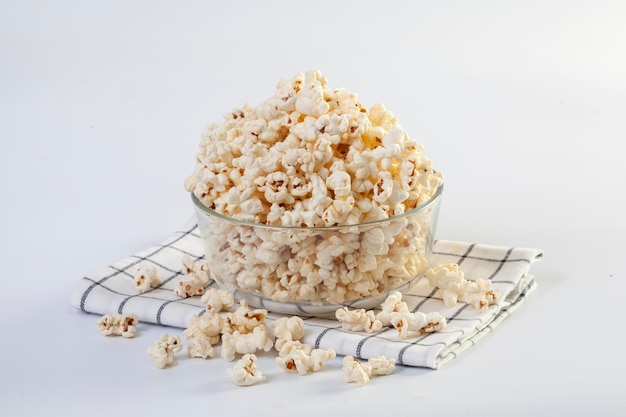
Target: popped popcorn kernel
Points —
{"points": [[417, 322], [245, 372], [163, 351], [146, 278], [189, 285], [287, 329], [392, 304], [381, 365], [244, 331], [295, 356], [354, 371], [203, 332], [358, 320], [218, 300], [124, 325], [196, 277], [450, 280], [479, 294], [454, 287], [200, 347]]}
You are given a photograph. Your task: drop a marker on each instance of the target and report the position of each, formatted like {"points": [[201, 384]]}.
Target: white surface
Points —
{"points": [[522, 105]]}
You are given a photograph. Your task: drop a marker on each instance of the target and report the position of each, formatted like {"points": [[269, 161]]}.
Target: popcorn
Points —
{"points": [[360, 373], [340, 183], [200, 347], [453, 286], [218, 300], [311, 156], [189, 286], [244, 319], [295, 356], [358, 320], [479, 294], [244, 331], [355, 372], [124, 325], [289, 347], [146, 277], [245, 372], [319, 357], [417, 322], [381, 365], [203, 332], [195, 277], [450, 280], [293, 362], [392, 304], [164, 349], [287, 329], [257, 339]]}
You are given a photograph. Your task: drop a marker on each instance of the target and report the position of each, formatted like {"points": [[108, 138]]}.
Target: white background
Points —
{"points": [[522, 106]]}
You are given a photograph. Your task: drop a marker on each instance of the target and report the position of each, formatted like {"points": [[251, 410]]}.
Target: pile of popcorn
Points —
{"points": [[310, 157], [243, 331]]}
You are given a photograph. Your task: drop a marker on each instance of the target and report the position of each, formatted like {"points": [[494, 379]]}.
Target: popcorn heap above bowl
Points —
{"points": [[310, 197]]}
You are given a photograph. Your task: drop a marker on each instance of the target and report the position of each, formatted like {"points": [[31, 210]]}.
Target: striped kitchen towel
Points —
{"points": [[111, 290]]}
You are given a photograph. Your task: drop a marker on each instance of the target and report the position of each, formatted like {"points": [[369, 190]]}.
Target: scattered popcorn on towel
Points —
{"points": [[394, 312], [454, 287], [195, 278], [146, 278]]}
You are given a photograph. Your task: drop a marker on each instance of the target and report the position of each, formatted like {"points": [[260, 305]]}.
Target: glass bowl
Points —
{"points": [[313, 271]]}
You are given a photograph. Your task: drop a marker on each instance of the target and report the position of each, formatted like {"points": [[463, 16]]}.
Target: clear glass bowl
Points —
{"points": [[313, 271]]}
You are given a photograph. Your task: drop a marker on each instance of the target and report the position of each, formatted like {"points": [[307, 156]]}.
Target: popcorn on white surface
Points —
{"points": [[200, 347], [244, 331], [319, 357], [245, 372], [203, 332], [289, 347], [124, 325], [314, 156], [164, 349], [146, 277], [295, 356], [287, 329], [355, 371], [381, 365]]}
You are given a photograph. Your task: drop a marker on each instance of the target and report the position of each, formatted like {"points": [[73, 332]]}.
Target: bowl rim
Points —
{"points": [[423, 206]]}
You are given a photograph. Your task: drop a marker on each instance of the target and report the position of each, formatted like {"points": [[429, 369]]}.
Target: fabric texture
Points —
{"points": [[111, 290]]}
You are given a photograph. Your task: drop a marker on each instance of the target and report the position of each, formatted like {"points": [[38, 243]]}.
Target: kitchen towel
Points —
{"points": [[111, 290]]}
